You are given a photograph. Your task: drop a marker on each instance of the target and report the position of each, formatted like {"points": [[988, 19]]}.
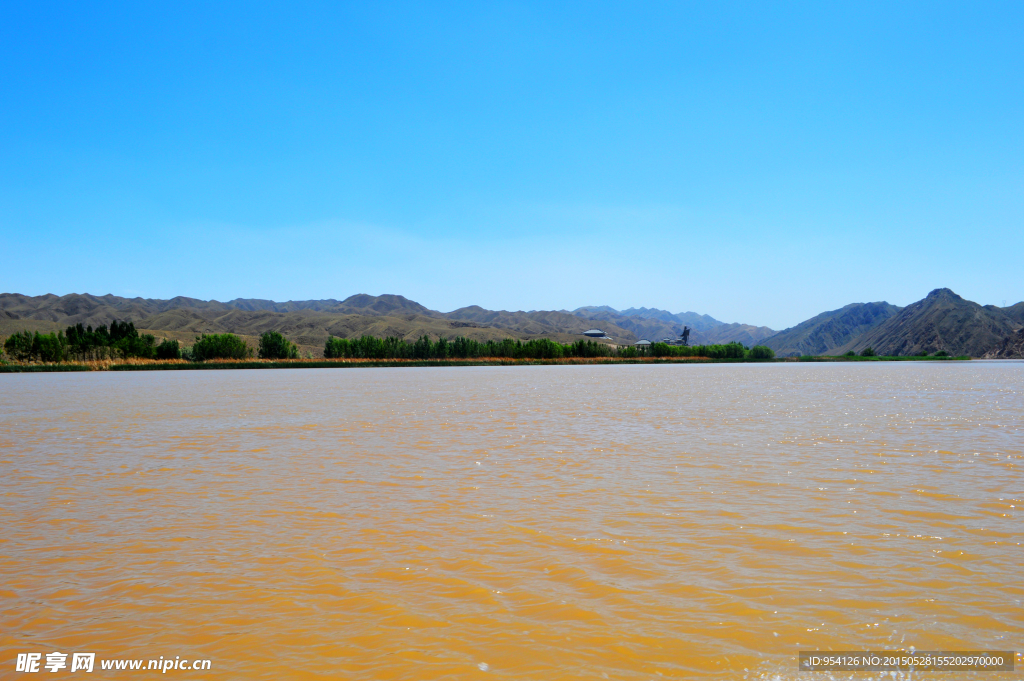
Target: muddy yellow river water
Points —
{"points": [[558, 522]]}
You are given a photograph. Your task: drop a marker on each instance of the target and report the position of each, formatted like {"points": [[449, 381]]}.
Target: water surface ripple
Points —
{"points": [[555, 522]]}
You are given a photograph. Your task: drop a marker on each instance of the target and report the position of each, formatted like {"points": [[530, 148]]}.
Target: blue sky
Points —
{"points": [[759, 162]]}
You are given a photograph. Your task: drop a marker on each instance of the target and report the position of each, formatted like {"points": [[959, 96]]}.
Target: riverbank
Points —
{"points": [[182, 365]]}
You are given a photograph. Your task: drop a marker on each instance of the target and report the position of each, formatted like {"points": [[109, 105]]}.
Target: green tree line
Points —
{"points": [[371, 347], [219, 346], [732, 350], [122, 340]]}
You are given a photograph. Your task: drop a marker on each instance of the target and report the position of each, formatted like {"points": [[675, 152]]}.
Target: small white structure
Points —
{"points": [[643, 343]]}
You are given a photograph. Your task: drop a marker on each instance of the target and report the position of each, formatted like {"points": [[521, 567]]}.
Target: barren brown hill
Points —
{"points": [[308, 328], [383, 305], [74, 308]]}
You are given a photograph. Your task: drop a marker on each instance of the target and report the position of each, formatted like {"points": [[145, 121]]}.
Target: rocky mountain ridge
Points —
{"points": [[1012, 347], [824, 333], [942, 321]]}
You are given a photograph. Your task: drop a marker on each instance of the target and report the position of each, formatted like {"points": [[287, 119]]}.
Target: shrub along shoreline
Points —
{"points": [[121, 348], [183, 365]]}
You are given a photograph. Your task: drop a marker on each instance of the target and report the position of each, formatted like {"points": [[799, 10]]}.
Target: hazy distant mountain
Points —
{"points": [[536, 322], [254, 304], [941, 321], [592, 308], [830, 330], [747, 334], [654, 324], [697, 322]]}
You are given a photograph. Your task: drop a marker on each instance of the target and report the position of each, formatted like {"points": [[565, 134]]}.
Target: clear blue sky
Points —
{"points": [[759, 162]]}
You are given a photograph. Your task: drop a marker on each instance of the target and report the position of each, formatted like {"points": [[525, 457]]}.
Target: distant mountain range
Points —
{"points": [[310, 322], [699, 322], [941, 321]]}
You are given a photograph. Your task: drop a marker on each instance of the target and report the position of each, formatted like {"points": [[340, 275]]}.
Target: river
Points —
{"points": [[548, 522]]}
